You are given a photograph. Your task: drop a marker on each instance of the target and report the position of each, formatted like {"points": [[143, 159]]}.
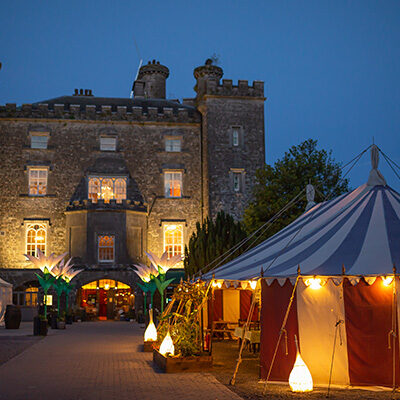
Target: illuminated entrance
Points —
{"points": [[106, 299]]}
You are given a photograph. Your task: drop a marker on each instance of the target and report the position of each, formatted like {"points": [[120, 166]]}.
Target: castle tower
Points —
{"points": [[232, 139], [151, 81]]}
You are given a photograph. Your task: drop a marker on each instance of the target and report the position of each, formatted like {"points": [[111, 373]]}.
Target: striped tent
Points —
{"points": [[360, 230], [346, 324]]}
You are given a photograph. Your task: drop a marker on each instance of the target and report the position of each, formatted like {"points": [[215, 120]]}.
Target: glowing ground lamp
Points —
{"points": [[150, 334], [167, 345], [300, 379]]}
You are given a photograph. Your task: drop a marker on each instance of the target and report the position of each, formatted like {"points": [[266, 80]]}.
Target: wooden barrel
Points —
{"points": [[12, 317]]}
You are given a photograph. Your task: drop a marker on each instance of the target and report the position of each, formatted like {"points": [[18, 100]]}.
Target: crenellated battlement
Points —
{"points": [[242, 89], [88, 204], [101, 112]]}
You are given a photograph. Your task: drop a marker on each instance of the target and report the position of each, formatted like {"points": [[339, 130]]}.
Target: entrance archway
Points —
{"points": [[107, 299]]}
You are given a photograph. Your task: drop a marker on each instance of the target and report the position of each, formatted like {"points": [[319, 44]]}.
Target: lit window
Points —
{"points": [[173, 239], [173, 145], [31, 296], [106, 248], [37, 181], [39, 140], [35, 238], [235, 137], [173, 184], [237, 177], [108, 143], [107, 188]]}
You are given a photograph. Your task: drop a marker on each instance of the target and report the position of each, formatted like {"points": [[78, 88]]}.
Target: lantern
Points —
{"points": [[300, 379], [150, 334], [315, 283], [167, 346], [387, 280], [253, 284]]}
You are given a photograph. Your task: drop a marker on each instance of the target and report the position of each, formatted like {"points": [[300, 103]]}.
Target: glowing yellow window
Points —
{"points": [[31, 296], [107, 188], [106, 248], [173, 239], [37, 181], [35, 238], [173, 184]]}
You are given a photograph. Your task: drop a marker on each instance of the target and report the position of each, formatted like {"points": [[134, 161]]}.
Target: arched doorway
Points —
{"points": [[107, 299]]}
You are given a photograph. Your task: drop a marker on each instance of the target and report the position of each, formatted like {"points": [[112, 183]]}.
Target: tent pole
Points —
{"points": [[249, 317], [394, 328], [212, 317], [282, 329]]}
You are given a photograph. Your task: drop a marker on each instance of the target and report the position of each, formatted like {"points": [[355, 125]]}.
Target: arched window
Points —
{"points": [[106, 248], [120, 189], [107, 188], [173, 239], [36, 238]]}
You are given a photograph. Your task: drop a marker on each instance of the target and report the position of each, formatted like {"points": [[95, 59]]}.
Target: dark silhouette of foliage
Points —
{"points": [[277, 185], [212, 239]]}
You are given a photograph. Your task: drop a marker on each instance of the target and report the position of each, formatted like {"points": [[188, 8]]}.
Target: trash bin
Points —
{"points": [[12, 317]]}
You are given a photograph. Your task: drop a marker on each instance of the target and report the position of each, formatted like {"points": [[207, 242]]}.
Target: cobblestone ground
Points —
{"points": [[102, 361]]}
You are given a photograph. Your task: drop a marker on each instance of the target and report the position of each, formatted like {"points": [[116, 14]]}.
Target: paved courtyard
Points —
{"points": [[102, 361]]}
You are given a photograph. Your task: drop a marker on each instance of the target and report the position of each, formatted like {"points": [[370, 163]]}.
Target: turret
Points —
{"points": [[206, 75], [150, 83]]}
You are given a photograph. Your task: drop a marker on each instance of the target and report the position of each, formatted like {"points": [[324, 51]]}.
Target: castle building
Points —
{"points": [[106, 179]]}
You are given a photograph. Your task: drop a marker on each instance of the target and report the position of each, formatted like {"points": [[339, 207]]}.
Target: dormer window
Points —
{"points": [[39, 140], [108, 143], [107, 188]]}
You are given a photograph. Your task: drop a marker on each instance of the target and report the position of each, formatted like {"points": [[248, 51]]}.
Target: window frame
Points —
{"points": [[167, 189], [239, 130], [42, 226], [32, 169], [115, 189], [165, 227], [39, 134], [99, 235], [240, 173], [105, 137], [172, 139]]}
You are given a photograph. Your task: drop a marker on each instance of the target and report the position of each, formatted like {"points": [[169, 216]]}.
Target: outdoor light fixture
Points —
{"points": [[300, 379], [167, 346], [217, 284], [315, 283], [387, 280], [253, 284], [150, 334], [106, 286]]}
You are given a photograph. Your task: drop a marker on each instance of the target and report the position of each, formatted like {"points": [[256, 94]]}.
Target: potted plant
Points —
{"points": [[61, 322], [40, 325], [180, 345]]}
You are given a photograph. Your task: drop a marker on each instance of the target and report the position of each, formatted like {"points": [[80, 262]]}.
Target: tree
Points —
{"points": [[277, 185], [212, 239]]}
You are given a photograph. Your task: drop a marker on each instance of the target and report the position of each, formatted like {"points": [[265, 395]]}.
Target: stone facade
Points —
{"points": [[208, 160]]}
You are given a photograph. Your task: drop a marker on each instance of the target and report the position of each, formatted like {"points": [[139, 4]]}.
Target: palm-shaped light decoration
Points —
{"points": [[45, 264], [63, 273], [163, 264], [147, 274]]}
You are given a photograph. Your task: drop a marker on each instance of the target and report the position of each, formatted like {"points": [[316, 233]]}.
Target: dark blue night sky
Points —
{"points": [[331, 68]]}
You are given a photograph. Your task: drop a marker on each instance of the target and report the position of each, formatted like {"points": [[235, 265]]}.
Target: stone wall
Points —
{"points": [[73, 147]]}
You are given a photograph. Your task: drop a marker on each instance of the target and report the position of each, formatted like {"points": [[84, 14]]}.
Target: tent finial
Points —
{"points": [[375, 177], [394, 269], [343, 270], [262, 272], [298, 270], [310, 195]]}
